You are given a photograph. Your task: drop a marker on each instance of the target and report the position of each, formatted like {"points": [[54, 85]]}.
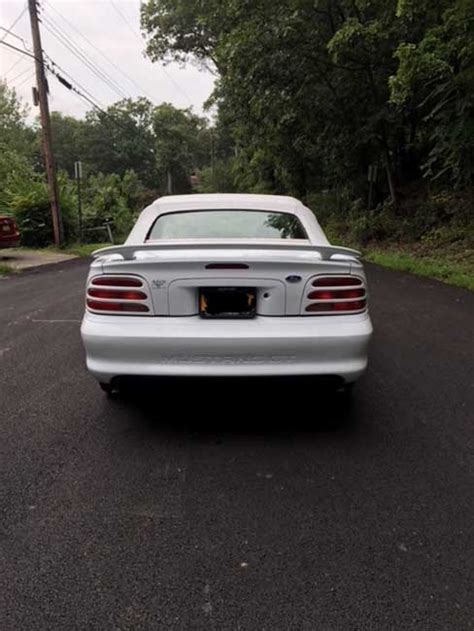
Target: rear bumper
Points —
{"points": [[190, 346], [9, 242]]}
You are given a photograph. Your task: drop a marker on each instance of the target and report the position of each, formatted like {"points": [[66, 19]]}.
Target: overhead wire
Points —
{"points": [[23, 72], [87, 97], [137, 34], [75, 50], [67, 74], [15, 22], [30, 76], [50, 65], [17, 62], [100, 52], [125, 20], [8, 31], [18, 50]]}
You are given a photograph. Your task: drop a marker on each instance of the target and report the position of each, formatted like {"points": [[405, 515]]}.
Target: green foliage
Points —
{"points": [[309, 95], [15, 135], [180, 142], [217, 179], [28, 201], [315, 92], [443, 268], [436, 75], [440, 219], [107, 199], [5, 269], [182, 28], [126, 152], [120, 140], [68, 140], [83, 249]]}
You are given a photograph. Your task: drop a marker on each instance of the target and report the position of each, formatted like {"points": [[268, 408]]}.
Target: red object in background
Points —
{"points": [[9, 233]]}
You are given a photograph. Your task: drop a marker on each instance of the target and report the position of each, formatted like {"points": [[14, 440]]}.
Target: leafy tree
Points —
{"points": [[28, 200], [15, 134], [183, 29], [68, 140], [436, 75], [305, 86], [180, 147], [121, 139]]}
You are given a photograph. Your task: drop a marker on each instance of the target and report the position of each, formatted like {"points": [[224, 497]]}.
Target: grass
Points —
{"points": [[452, 264], [83, 249], [77, 249], [5, 269], [445, 253], [459, 272]]}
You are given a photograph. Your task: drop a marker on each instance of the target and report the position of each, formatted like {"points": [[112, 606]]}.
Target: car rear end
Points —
{"points": [[9, 233], [228, 309]]}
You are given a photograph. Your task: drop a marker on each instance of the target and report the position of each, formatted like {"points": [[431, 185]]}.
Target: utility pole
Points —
{"points": [[42, 86], [78, 174]]}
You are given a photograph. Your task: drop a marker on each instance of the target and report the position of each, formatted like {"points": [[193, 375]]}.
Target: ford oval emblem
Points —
{"points": [[293, 279]]}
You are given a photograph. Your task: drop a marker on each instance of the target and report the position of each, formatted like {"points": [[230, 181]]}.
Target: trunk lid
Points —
{"points": [[176, 273]]}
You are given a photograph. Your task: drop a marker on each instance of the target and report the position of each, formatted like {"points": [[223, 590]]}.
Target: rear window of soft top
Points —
{"points": [[227, 224]]}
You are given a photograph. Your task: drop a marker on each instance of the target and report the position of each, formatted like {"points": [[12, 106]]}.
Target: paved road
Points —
{"points": [[237, 505]]}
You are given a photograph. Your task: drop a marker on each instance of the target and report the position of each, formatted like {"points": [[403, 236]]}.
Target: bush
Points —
{"points": [[440, 219], [113, 199], [30, 205]]}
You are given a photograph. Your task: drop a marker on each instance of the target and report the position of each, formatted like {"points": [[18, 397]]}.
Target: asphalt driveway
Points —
{"points": [[240, 504]]}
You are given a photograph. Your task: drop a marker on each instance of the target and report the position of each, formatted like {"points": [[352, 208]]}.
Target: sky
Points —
{"points": [[107, 33]]}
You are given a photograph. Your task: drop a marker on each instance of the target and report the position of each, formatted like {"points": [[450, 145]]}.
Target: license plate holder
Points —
{"points": [[228, 302]]}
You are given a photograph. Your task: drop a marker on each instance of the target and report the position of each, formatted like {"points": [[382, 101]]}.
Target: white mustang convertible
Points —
{"points": [[226, 285]]}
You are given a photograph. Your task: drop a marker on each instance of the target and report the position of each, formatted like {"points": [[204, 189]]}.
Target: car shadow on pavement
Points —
{"points": [[218, 406]]}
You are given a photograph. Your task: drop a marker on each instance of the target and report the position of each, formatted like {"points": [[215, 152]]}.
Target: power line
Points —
{"points": [[23, 72], [8, 31], [106, 114], [20, 60], [65, 72], [79, 54], [30, 76], [70, 86], [18, 50], [15, 22], [90, 99], [56, 74], [82, 57], [137, 34], [22, 39], [102, 54], [126, 21]]}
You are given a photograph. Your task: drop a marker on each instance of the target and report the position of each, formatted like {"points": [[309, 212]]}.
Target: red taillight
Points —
{"points": [[98, 305], [319, 307], [336, 294], [341, 294], [337, 281], [116, 281], [8, 226], [117, 294]]}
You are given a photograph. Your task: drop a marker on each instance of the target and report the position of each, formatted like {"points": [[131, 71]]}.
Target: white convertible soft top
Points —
{"points": [[226, 201]]}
